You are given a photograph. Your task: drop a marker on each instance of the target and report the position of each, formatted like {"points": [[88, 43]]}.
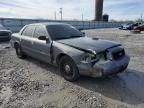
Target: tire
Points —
{"points": [[19, 52], [68, 69]]}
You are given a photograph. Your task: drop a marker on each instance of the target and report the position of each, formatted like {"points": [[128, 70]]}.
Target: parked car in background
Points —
{"points": [[5, 34], [124, 26], [140, 27], [75, 54], [129, 26]]}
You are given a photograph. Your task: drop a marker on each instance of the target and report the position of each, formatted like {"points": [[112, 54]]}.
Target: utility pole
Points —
{"points": [[141, 17], [61, 13], [55, 15], [82, 20], [82, 17]]}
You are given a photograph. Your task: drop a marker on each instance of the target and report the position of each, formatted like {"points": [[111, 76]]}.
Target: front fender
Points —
{"points": [[59, 49]]}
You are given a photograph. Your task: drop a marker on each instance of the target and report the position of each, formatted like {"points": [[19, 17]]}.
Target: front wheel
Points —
{"points": [[68, 69], [19, 52]]}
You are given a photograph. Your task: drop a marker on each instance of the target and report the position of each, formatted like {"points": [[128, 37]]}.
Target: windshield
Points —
{"points": [[58, 32]]}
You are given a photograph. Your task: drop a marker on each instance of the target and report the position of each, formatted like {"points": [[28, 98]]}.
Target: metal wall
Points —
{"points": [[16, 24]]}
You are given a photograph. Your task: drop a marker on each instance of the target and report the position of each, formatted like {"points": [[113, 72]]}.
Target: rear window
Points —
{"points": [[28, 31]]}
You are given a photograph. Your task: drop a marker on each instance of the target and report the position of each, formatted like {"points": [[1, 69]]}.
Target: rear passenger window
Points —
{"points": [[40, 31], [28, 31]]}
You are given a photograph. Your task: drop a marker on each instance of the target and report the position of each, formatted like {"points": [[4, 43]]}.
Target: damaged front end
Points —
{"points": [[110, 61]]}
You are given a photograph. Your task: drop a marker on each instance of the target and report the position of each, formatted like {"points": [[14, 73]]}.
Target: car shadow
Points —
{"points": [[44, 65], [126, 87]]}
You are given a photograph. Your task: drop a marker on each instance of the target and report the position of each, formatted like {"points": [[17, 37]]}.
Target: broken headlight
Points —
{"points": [[89, 58]]}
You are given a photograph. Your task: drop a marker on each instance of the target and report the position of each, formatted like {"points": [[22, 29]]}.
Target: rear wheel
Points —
{"points": [[68, 69], [19, 52]]}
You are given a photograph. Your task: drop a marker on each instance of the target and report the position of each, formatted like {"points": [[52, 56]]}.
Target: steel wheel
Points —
{"points": [[68, 69], [19, 52]]}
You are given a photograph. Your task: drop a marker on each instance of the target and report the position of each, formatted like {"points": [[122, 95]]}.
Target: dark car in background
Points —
{"points": [[129, 26], [5, 34], [124, 26], [139, 28]]}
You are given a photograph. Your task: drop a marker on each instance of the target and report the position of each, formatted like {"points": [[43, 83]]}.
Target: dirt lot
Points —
{"points": [[30, 83]]}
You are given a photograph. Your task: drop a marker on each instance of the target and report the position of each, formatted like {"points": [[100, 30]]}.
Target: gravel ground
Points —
{"points": [[30, 83]]}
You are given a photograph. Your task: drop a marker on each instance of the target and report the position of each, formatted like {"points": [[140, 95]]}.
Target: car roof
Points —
{"points": [[49, 23]]}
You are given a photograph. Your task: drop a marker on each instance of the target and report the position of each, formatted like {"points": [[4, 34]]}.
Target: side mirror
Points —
{"points": [[42, 38]]}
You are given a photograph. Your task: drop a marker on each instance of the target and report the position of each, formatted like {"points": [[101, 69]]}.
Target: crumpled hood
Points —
{"points": [[85, 43]]}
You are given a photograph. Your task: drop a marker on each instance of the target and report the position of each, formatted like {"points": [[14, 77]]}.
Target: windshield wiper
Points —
{"points": [[59, 38], [75, 36]]}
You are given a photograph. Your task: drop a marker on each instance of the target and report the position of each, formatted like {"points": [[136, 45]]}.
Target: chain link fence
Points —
{"points": [[16, 24]]}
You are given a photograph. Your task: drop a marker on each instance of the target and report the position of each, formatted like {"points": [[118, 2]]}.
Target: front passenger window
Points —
{"points": [[40, 31], [28, 31]]}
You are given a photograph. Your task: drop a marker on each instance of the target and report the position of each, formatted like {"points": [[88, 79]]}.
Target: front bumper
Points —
{"points": [[103, 68]]}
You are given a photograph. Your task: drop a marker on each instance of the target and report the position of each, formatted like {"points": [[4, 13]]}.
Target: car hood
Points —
{"points": [[5, 30], [89, 44]]}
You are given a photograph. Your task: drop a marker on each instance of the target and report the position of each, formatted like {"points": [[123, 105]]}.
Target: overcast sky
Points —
{"points": [[72, 9]]}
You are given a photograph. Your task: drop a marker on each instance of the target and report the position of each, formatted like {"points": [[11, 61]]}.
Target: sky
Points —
{"points": [[72, 9]]}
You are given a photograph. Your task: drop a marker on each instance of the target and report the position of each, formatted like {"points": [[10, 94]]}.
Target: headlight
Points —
{"points": [[88, 58]]}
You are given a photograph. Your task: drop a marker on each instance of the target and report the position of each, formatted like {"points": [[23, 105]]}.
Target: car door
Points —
{"points": [[42, 47], [27, 39]]}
